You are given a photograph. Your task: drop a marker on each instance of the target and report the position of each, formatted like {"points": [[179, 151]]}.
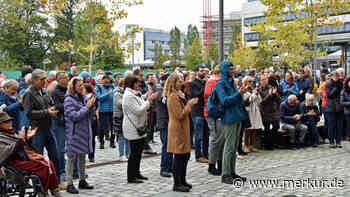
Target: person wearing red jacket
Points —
{"points": [[216, 136]]}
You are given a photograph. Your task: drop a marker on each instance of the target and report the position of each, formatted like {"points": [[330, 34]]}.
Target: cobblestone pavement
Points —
{"points": [[307, 164]]}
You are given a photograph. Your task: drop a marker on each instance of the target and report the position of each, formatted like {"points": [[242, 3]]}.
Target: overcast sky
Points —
{"points": [[165, 14]]}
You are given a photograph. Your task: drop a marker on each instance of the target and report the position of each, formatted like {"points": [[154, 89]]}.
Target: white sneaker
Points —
{"points": [[123, 158]]}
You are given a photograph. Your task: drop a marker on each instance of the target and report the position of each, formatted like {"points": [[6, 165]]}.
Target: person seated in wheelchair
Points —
{"points": [[15, 150]]}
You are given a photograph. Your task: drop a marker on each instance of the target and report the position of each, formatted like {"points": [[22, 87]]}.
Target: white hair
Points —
{"points": [[28, 78], [10, 83], [127, 73], [53, 73], [309, 96], [340, 69], [99, 77]]}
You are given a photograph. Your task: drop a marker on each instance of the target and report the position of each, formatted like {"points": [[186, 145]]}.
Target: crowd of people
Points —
{"points": [[66, 113]]}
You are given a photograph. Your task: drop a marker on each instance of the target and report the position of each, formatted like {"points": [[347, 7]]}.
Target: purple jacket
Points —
{"points": [[78, 125]]}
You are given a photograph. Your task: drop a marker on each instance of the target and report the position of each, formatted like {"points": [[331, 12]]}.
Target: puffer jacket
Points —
{"points": [[345, 100], [135, 110], [285, 86], [105, 100]]}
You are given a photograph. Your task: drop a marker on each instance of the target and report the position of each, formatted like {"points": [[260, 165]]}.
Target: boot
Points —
{"points": [[177, 186], [84, 185], [56, 193], [71, 189], [184, 182], [212, 170], [219, 162], [227, 179]]}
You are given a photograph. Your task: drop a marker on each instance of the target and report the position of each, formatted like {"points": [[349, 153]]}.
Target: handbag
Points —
{"points": [[142, 130]]}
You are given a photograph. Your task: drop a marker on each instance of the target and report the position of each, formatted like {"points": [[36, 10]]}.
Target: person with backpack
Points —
{"points": [[104, 94], [232, 100], [216, 136]]}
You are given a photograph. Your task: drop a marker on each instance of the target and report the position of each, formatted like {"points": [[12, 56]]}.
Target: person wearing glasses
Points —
{"points": [[39, 109]]}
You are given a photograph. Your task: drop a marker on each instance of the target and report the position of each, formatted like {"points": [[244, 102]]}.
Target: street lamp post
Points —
{"points": [[221, 31]]}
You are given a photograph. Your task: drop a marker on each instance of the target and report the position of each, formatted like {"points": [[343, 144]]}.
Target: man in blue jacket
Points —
{"points": [[232, 100], [291, 120], [104, 93], [12, 105]]}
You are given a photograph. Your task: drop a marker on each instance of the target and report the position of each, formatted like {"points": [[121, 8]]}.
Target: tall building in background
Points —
{"points": [[234, 18], [148, 38]]}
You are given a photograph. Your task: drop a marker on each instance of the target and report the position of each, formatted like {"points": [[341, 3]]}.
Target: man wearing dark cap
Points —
{"points": [[104, 93]]}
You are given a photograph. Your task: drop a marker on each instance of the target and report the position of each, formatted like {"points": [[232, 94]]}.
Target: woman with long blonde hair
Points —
{"points": [[179, 129]]}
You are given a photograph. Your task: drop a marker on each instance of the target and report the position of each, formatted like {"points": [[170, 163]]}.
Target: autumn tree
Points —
{"points": [[159, 56], [175, 47], [292, 25], [235, 38], [194, 54], [100, 18]]}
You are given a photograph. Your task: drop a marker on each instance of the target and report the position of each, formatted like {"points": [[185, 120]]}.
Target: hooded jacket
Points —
{"points": [[228, 96]]}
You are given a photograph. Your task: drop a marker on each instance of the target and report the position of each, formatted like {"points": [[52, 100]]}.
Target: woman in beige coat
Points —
{"points": [[178, 129]]}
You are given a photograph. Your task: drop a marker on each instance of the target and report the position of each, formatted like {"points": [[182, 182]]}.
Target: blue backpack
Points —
{"points": [[215, 109]]}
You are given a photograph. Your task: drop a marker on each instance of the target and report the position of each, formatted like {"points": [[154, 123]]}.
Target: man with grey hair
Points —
{"points": [[291, 120], [58, 126], [39, 108], [11, 103], [51, 78]]}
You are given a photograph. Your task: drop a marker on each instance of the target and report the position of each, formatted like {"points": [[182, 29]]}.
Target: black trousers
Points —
{"points": [[270, 134], [136, 148], [240, 142], [180, 164]]}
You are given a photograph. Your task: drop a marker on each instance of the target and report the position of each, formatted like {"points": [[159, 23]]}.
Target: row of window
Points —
{"points": [[251, 37]]}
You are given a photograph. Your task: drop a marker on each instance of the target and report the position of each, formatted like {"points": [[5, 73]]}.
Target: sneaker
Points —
{"points": [[202, 160], [84, 185], [339, 146], [62, 185], [240, 157], [332, 146], [123, 158]]}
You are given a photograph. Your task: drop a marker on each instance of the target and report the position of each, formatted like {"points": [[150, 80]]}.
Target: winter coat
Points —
{"points": [[58, 95], [345, 100], [305, 85], [254, 111], [228, 96], [118, 111], [209, 86], [135, 110], [304, 109], [36, 108], [270, 105], [13, 108], [197, 91], [285, 93], [105, 100], [117, 102], [179, 124], [333, 91], [287, 112], [162, 114], [78, 119]]}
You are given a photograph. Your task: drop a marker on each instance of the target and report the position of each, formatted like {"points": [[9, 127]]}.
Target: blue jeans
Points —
{"points": [[46, 139], [60, 134], [198, 124], [167, 158], [123, 146], [335, 126]]}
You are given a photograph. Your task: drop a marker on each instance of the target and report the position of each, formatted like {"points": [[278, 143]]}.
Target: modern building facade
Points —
{"points": [[148, 38], [253, 12]]}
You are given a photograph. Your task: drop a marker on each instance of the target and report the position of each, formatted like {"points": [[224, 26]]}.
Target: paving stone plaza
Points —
{"points": [[305, 172]]}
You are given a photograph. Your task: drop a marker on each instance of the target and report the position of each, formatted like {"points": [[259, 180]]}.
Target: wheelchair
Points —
{"points": [[14, 182]]}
